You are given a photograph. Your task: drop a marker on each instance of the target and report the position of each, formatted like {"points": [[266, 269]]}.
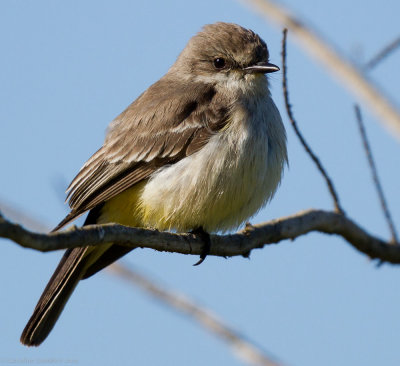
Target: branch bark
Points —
{"points": [[240, 243]]}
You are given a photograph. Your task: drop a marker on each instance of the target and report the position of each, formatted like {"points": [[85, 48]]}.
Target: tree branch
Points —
{"points": [[241, 243]]}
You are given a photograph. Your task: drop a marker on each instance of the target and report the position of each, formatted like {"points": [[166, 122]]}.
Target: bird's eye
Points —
{"points": [[219, 63]]}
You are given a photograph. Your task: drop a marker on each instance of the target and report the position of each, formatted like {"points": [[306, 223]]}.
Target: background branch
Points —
{"points": [[382, 54], [326, 54], [243, 348]]}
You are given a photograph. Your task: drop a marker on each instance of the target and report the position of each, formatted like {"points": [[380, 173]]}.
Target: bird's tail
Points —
{"points": [[76, 264], [70, 270]]}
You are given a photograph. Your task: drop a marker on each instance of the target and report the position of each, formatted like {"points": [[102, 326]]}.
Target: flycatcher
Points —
{"points": [[201, 149]]}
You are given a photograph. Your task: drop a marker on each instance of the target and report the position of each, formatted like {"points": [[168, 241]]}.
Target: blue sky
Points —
{"points": [[68, 68]]}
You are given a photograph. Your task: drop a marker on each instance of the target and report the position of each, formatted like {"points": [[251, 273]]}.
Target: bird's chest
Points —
{"points": [[238, 160], [218, 187], [237, 172]]}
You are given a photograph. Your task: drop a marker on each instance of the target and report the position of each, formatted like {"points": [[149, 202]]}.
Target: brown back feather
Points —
{"points": [[161, 127]]}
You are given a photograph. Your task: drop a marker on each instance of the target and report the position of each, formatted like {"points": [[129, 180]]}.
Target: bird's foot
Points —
{"points": [[206, 246]]}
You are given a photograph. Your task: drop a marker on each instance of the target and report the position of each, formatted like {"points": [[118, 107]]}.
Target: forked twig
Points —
{"points": [[375, 177], [315, 159]]}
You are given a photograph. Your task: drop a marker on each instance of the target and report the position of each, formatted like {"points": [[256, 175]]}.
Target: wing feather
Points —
{"points": [[161, 127]]}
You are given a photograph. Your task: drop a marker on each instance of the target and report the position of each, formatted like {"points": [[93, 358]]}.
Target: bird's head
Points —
{"points": [[222, 52]]}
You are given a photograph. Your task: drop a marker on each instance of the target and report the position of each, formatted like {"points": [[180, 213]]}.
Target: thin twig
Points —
{"points": [[375, 177], [317, 162], [244, 349], [341, 68], [382, 54]]}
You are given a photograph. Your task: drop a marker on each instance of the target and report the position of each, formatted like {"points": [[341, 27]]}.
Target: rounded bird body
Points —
{"points": [[202, 148], [227, 181]]}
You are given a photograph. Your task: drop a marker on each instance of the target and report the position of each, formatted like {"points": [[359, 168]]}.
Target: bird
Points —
{"points": [[203, 149]]}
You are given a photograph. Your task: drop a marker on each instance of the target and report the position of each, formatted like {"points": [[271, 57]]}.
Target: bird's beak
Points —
{"points": [[261, 67]]}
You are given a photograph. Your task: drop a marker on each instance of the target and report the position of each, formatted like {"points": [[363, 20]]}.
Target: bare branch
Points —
{"points": [[375, 177], [315, 159], [241, 243], [341, 68], [179, 302], [382, 54]]}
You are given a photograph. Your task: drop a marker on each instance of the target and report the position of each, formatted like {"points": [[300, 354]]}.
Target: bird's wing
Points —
{"points": [[161, 127]]}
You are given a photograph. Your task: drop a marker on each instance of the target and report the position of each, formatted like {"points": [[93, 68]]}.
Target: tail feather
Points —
{"points": [[75, 265], [56, 294]]}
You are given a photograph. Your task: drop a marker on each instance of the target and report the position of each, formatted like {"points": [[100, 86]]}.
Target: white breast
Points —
{"points": [[228, 180]]}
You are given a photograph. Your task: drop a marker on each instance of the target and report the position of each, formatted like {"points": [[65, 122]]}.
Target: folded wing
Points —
{"points": [[161, 127]]}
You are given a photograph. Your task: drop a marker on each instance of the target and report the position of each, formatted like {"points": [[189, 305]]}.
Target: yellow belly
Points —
{"points": [[125, 208]]}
